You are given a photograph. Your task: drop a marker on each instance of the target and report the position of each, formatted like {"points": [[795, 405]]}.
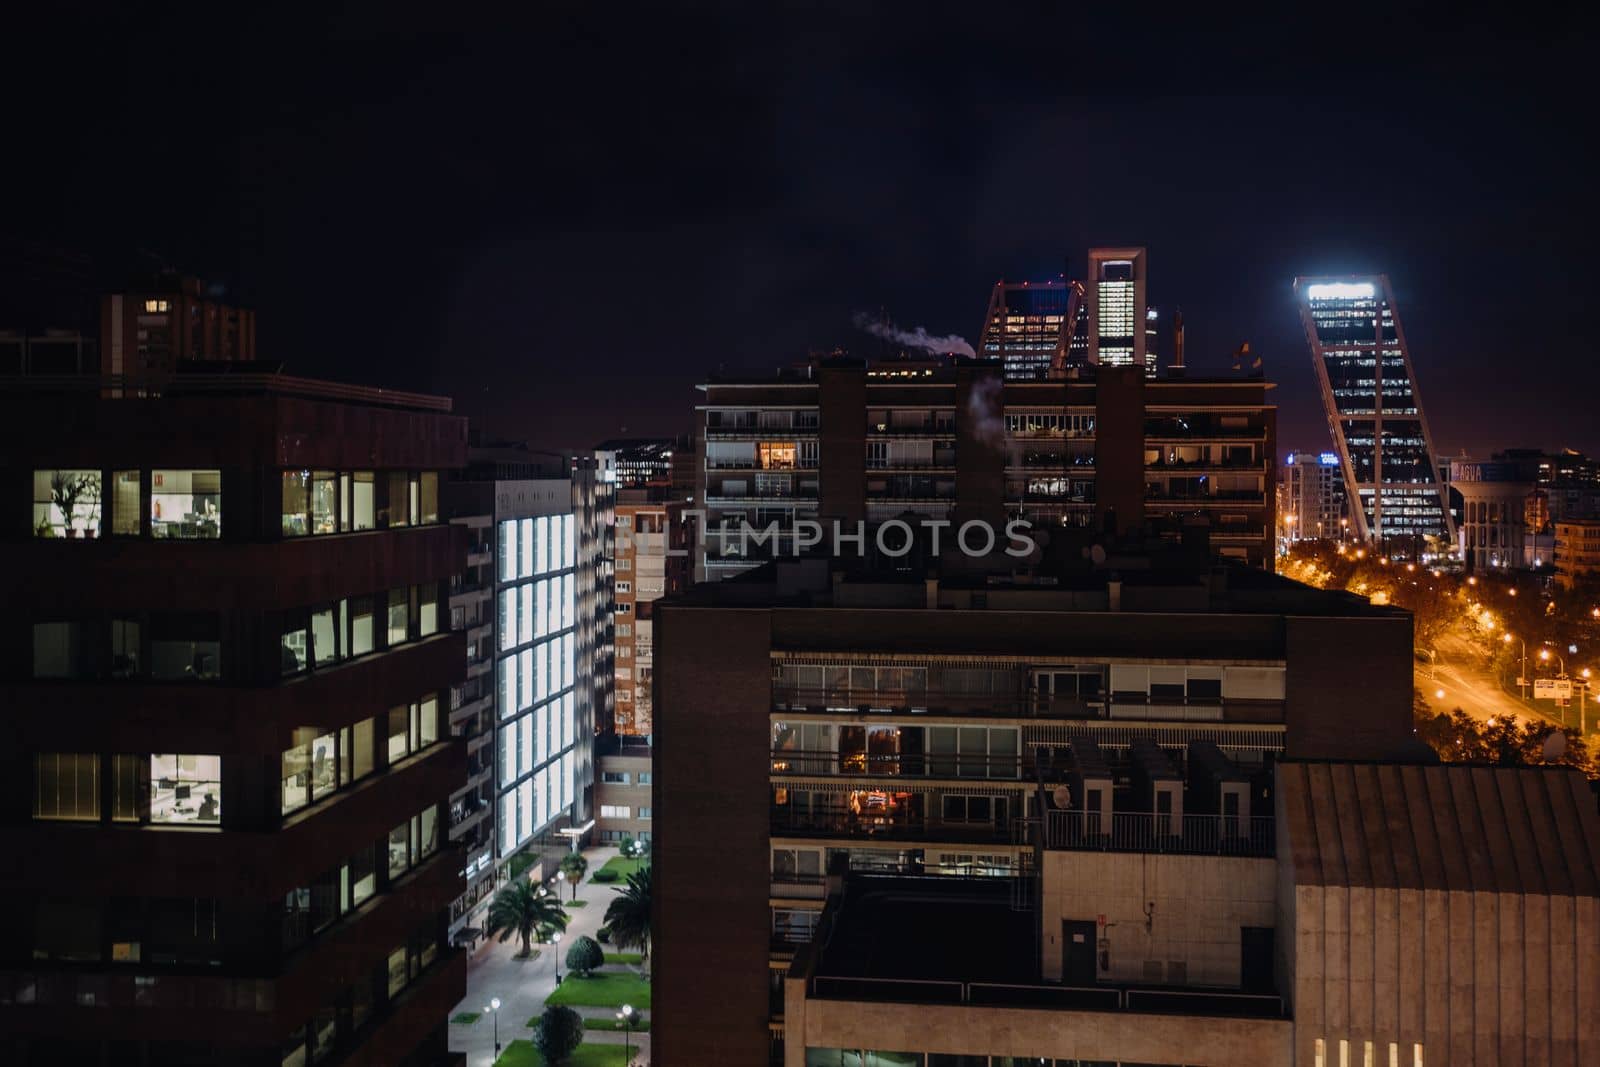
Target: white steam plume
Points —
{"points": [[918, 338]]}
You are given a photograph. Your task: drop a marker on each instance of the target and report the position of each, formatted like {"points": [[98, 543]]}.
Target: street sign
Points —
{"points": [[1552, 689]]}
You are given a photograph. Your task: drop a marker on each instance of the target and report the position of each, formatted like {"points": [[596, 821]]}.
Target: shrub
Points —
{"points": [[585, 956], [559, 1033], [606, 874]]}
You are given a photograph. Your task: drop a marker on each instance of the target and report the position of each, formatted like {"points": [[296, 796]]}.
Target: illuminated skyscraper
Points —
{"points": [[1118, 309], [1029, 327], [1374, 412]]}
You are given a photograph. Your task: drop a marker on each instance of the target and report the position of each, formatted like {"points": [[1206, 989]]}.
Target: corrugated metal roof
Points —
{"points": [[1527, 830]]}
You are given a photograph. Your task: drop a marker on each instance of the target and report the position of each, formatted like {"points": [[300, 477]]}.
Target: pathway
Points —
{"points": [[522, 985]]}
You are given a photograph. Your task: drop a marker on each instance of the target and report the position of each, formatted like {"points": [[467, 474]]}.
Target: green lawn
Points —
{"points": [[632, 958], [603, 991], [624, 867], [611, 1022], [577, 904], [464, 1018], [521, 1053]]}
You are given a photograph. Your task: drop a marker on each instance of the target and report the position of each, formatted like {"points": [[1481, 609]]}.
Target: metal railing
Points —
{"points": [[184, 384], [1209, 835], [814, 701], [1060, 997]]}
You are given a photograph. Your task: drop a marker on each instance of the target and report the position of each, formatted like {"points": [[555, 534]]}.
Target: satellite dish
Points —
{"points": [[1555, 746], [1061, 798], [1098, 554]]}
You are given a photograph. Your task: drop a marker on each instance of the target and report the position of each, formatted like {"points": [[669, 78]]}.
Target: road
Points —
{"points": [[1469, 685]]}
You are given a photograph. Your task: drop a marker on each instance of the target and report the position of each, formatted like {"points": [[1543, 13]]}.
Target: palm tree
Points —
{"points": [[524, 908], [574, 866], [628, 916]]}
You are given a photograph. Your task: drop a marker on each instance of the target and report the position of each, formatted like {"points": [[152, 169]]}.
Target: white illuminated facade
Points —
{"points": [[1119, 324], [1380, 436], [535, 673]]}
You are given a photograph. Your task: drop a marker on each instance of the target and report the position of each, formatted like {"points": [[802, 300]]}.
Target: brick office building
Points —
{"points": [[226, 798]]}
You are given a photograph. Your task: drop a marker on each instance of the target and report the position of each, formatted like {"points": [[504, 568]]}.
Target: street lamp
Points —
{"points": [[627, 1017], [1583, 703], [493, 1010], [1522, 676], [555, 940]]}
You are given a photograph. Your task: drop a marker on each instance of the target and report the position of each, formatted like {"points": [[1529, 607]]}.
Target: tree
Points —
{"points": [[585, 956], [628, 916], [559, 1033], [574, 866], [1503, 741], [523, 908]]}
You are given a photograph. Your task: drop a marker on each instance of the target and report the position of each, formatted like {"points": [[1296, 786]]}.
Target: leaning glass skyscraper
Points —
{"points": [[1369, 391]]}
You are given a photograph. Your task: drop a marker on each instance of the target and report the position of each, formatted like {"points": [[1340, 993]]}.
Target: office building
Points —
{"points": [[1029, 327], [152, 328], [1577, 551], [534, 603], [845, 442], [1374, 409], [642, 461], [228, 611], [1119, 310], [1510, 502], [1311, 505], [906, 717]]}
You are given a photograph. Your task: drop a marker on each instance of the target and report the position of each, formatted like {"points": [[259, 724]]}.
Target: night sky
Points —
{"points": [[567, 221]]}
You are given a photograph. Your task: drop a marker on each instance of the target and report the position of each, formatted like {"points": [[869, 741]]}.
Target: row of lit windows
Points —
{"points": [[528, 547], [326, 502], [318, 765], [535, 802], [535, 674], [161, 789], [535, 610], [535, 738], [331, 633], [183, 504]]}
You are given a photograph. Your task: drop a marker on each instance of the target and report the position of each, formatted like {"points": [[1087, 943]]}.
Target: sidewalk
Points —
{"points": [[522, 985]]}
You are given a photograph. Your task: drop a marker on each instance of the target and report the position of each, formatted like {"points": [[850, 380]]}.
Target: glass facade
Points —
{"points": [[535, 673], [1380, 434]]}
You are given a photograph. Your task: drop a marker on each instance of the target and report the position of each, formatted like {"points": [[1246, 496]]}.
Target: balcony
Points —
{"points": [[784, 822], [884, 704]]}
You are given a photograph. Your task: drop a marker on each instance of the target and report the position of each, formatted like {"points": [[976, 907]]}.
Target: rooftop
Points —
{"points": [[252, 379]]}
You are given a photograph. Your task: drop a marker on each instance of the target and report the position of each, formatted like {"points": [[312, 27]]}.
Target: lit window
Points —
{"points": [[156, 307], [185, 789], [184, 504], [66, 503], [66, 786]]}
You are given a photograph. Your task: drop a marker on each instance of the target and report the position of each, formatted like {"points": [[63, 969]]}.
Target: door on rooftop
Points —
{"points": [[1078, 952], [1255, 959]]}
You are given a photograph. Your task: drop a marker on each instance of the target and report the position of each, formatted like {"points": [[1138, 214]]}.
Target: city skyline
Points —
{"points": [[374, 211]]}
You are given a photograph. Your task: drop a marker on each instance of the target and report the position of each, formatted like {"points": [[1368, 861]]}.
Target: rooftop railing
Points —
{"points": [[1200, 835], [1069, 998], [222, 383]]}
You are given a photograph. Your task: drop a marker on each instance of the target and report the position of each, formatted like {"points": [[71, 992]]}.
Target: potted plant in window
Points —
{"points": [[66, 489]]}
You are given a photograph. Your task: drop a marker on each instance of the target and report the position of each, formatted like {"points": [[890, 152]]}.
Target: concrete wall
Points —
{"points": [[710, 853], [1021, 1032], [1349, 687], [1475, 977], [1201, 902]]}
